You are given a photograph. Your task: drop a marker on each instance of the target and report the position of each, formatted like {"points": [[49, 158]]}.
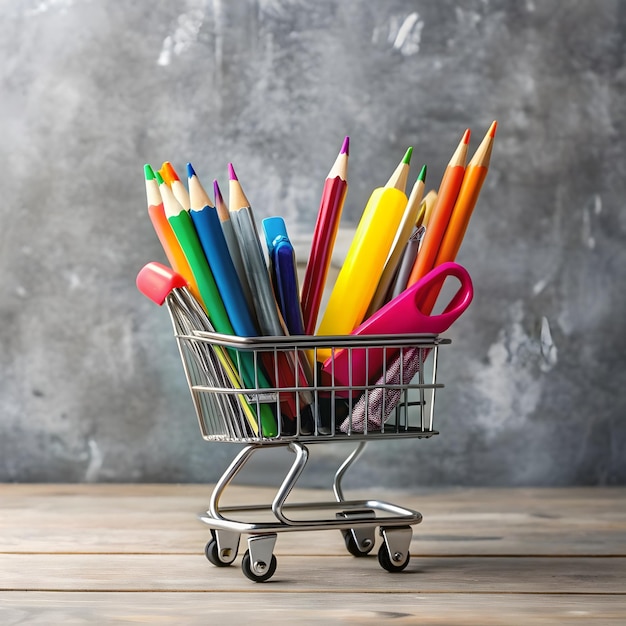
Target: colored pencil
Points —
{"points": [[473, 180], [171, 247], [408, 260], [428, 203], [242, 217], [324, 235], [185, 232], [233, 245], [284, 372], [368, 252], [207, 223], [409, 219], [446, 197], [169, 175], [198, 196]]}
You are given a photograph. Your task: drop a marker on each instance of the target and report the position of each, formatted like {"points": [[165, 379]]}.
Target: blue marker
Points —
{"points": [[284, 273]]}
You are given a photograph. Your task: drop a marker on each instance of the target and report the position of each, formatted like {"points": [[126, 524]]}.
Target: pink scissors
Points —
{"points": [[403, 315]]}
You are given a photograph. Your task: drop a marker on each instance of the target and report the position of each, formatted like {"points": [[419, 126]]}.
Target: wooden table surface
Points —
{"points": [[129, 554]]}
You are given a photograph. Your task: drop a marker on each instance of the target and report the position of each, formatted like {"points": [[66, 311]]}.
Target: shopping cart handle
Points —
{"points": [[156, 281]]}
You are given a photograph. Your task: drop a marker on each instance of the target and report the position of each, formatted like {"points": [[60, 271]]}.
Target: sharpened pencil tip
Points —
{"points": [[231, 172], [492, 128], [190, 171], [466, 136], [148, 171], [217, 193], [168, 172], [345, 147], [407, 157], [159, 178], [422, 174]]}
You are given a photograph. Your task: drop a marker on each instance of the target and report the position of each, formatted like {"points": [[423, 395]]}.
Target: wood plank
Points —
{"points": [[152, 519], [137, 572], [260, 608]]}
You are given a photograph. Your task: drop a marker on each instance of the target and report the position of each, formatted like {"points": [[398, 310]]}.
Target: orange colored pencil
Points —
{"points": [[169, 175], [446, 197], [473, 179], [164, 232]]}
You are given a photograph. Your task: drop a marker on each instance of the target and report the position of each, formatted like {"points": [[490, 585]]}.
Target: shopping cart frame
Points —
{"points": [[218, 405]]}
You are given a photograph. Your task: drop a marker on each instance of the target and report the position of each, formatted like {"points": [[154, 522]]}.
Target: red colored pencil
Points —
{"points": [[326, 226]]}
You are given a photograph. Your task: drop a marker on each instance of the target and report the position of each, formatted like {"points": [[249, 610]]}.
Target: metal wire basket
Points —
{"points": [[280, 392]]}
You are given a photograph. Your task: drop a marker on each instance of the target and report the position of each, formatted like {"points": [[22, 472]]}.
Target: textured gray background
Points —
{"points": [[91, 387]]}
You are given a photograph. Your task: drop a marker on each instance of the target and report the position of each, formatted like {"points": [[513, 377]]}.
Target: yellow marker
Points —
{"points": [[365, 261]]}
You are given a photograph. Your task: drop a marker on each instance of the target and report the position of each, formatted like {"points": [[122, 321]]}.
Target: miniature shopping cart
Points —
{"points": [[268, 392]]}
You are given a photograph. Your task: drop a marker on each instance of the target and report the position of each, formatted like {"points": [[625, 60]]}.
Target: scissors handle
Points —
{"points": [[408, 313], [456, 306], [399, 316]]}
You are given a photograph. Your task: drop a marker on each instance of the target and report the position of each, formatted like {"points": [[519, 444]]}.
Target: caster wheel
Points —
{"points": [[268, 572], [386, 562], [212, 554], [353, 548]]}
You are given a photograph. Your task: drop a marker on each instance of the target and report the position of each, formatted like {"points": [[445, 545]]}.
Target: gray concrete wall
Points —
{"points": [[91, 387]]}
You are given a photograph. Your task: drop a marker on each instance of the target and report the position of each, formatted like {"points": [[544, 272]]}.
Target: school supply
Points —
{"points": [[185, 232], [233, 245], [211, 236], [379, 378], [284, 273], [399, 244], [324, 235], [355, 368], [165, 234], [169, 175], [428, 204], [157, 282], [446, 197], [370, 247], [406, 263], [280, 370], [473, 180]]}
